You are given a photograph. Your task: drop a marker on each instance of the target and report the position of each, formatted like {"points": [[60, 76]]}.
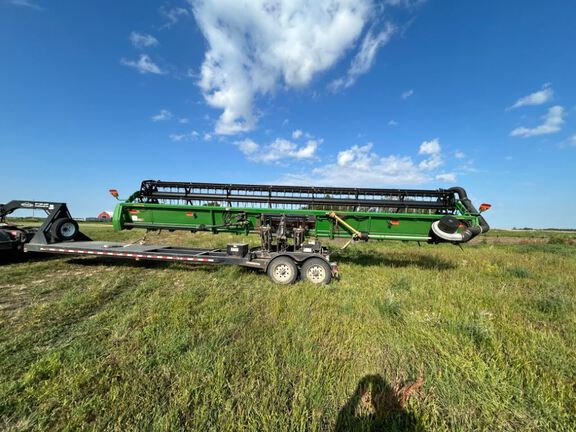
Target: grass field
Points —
{"points": [[410, 338]]}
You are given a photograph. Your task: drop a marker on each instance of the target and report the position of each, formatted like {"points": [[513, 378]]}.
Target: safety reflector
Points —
{"points": [[134, 211]]}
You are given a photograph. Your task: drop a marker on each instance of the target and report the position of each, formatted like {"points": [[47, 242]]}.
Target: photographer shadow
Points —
{"points": [[376, 406]]}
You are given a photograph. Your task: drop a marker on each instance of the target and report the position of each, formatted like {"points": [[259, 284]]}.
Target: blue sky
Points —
{"points": [[392, 93]]}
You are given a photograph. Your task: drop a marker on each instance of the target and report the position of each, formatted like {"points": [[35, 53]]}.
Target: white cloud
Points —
{"points": [[553, 122], [207, 137], [163, 115], [144, 65], [184, 136], [256, 46], [361, 166], [24, 3], [572, 140], [537, 98], [297, 134], [392, 123], [404, 3], [446, 177], [142, 40], [459, 154], [362, 61], [431, 147], [173, 15], [407, 94], [247, 146], [183, 120], [278, 150]]}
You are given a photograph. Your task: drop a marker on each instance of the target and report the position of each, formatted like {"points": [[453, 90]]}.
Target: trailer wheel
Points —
{"points": [[64, 229], [317, 271], [283, 270]]}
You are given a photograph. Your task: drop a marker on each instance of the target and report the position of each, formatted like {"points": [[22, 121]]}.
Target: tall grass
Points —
{"points": [[410, 338]]}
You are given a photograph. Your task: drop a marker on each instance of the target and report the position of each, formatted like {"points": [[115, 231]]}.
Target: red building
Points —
{"points": [[105, 216]]}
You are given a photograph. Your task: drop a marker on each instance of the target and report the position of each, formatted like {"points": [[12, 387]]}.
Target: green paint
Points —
{"points": [[380, 226]]}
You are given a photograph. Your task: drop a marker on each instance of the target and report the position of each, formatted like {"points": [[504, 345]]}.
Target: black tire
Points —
{"points": [[64, 229], [283, 271], [317, 271]]}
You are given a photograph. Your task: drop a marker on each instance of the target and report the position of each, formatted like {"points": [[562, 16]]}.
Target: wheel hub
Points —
{"points": [[67, 229], [316, 273], [282, 272]]}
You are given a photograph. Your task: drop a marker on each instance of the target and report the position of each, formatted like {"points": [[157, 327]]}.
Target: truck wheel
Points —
{"points": [[283, 270], [317, 271], [64, 229]]}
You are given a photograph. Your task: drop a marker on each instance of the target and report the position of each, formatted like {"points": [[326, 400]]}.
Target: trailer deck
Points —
{"points": [[253, 258]]}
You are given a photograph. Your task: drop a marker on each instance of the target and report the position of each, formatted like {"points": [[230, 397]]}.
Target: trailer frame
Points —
{"points": [[52, 238]]}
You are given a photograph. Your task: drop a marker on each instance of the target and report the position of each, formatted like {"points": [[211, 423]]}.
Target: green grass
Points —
{"points": [[486, 335]]}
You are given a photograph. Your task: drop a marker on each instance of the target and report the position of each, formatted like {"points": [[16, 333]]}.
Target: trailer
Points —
{"points": [[289, 220], [60, 234]]}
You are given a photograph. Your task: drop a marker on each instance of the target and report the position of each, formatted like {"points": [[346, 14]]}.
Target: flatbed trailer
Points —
{"points": [[282, 268], [60, 234]]}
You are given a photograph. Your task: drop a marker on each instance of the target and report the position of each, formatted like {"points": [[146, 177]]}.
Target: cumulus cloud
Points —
{"points": [[432, 150], [553, 122], [279, 150], [431, 147], [144, 65], [362, 166], [297, 134], [446, 177], [163, 115], [173, 15], [178, 137], [255, 47], [362, 61], [537, 98], [142, 40]]}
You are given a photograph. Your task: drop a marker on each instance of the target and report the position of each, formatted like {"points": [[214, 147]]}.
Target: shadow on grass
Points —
{"points": [[375, 406], [377, 258], [12, 257], [104, 261]]}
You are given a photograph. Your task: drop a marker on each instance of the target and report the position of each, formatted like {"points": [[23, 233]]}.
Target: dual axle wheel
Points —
{"points": [[284, 270]]}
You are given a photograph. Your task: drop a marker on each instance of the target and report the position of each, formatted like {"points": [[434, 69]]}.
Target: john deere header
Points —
{"points": [[282, 212]]}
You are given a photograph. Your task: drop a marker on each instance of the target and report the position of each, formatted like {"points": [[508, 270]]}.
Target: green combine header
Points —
{"points": [[283, 212], [290, 220]]}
